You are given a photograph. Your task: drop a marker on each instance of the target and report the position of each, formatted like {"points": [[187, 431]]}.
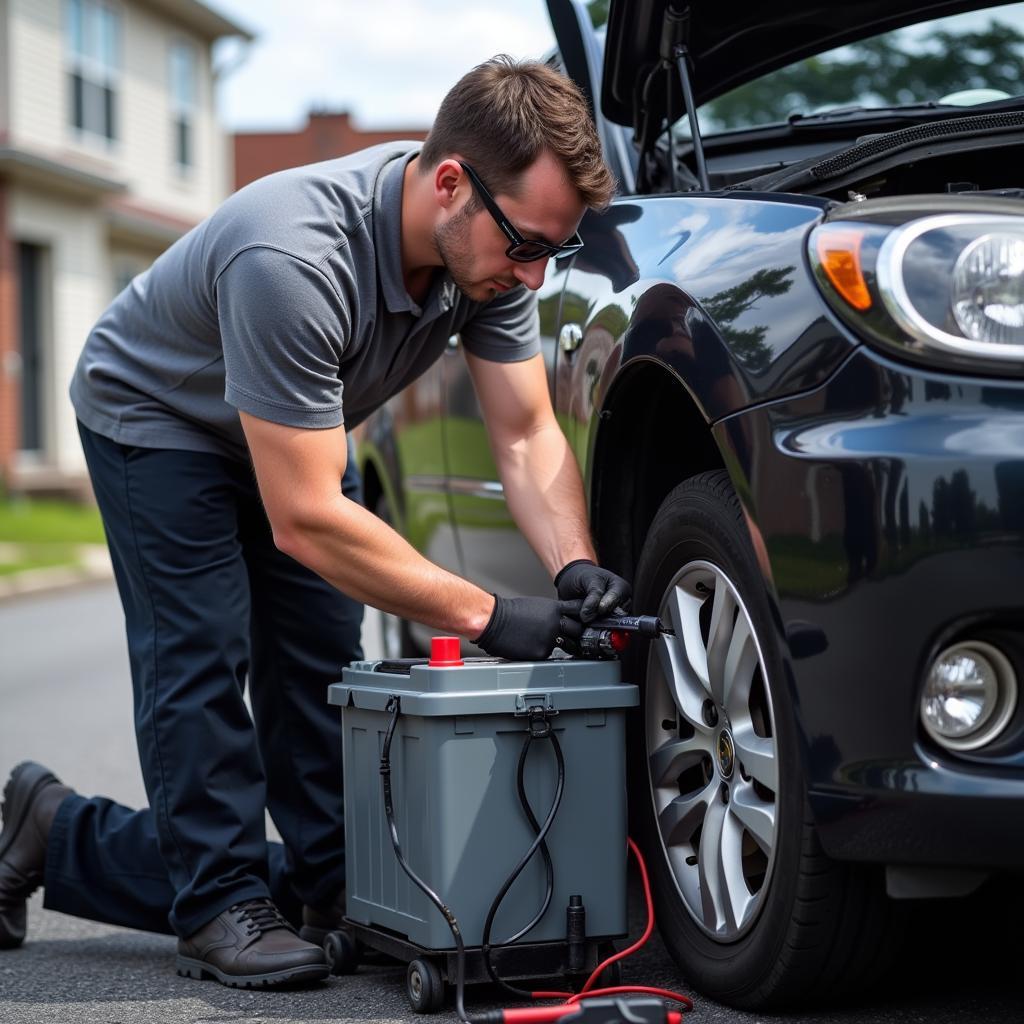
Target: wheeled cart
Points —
{"points": [[469, 744], [431, 971]]}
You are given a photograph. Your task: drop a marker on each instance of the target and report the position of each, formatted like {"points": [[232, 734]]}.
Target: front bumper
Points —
{"points": [[891, 503]]}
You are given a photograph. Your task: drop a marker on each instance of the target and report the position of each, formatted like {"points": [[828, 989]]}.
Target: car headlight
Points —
{"points": [[946, 288], [988, 290]]}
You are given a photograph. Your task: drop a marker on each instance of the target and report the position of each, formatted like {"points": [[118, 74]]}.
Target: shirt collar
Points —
{"points": [[387, 237]]}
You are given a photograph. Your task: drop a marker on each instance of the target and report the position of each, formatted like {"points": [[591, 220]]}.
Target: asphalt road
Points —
{"points": [[65, 701]]}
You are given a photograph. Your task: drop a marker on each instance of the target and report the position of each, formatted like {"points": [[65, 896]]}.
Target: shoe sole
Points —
{"points": [[202, 971]]}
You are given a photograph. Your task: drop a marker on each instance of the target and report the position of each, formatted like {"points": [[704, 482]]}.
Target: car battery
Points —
{"points": [[454, 758]]}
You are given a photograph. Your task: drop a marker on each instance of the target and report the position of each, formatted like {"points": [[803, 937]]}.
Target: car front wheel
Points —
{"points": [[750, 908]]}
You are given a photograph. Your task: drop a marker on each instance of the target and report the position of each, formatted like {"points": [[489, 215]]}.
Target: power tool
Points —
{"points": [[610, 637]]}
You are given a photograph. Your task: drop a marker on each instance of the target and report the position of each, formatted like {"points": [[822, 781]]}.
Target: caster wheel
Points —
{"points": [[424, 986], [610, 976], [342, 952]]}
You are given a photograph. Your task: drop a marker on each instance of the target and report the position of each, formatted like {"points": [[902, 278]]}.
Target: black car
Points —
{"points": [[789, 360]]}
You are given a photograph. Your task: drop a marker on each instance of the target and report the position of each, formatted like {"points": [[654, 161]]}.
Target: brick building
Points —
{"points": [[324, 136]]}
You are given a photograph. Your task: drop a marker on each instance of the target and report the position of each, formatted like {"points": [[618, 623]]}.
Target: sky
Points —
{"points": [[388, 62]]}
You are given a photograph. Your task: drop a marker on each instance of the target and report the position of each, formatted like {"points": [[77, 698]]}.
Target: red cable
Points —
{"points": [[574, 997]]}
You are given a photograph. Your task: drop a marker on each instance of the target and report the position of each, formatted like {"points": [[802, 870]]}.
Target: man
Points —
{"points": [[253, 343]]}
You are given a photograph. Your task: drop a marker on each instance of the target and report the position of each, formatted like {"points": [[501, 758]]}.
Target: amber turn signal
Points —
{"points": [[839, 256]]}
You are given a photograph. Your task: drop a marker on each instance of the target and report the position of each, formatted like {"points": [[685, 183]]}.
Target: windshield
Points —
{"points": [[964, 59]]}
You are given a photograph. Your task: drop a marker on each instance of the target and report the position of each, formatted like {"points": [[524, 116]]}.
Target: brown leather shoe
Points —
{"points": [[31, 798], [250, 945]]}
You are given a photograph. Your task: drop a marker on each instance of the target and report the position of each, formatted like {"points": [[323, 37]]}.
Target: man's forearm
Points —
{"points": [[544, 493], [363, 557]]}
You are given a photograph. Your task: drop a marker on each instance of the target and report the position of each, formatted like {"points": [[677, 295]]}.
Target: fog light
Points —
{"points": [[969, 695]]}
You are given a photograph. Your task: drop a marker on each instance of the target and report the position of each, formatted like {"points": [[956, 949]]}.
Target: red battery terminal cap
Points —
{"points": [[619, 639], [445, 652]]}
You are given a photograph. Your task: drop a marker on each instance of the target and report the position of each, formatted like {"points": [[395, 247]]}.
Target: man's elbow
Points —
{"points": [[294, 535]]}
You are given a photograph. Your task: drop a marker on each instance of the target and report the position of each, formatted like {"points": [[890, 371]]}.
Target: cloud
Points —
{"points": [[389, 63]]}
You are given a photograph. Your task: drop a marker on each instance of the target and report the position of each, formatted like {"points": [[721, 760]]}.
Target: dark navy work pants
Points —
{"points": [[210, 606]]}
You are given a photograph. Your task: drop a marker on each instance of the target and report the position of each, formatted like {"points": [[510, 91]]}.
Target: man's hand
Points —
{"points": [[529, 628], [602, 591]]}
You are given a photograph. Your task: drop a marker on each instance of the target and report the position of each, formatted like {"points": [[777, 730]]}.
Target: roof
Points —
{"points": [[199, 17]]}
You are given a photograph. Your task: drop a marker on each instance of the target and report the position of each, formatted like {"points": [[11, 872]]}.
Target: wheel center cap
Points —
{"points": [[726, 754]]}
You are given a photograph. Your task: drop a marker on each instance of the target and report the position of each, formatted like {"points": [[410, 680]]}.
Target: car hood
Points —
{"points": [[731, 43]]}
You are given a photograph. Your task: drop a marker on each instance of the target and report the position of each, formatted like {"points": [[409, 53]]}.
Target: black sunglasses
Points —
{"points": [[522, 250]]}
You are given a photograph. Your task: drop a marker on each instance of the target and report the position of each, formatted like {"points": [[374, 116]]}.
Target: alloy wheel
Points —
{"points": [[712, 754]]}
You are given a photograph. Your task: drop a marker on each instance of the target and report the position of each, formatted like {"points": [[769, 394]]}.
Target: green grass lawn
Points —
{"points": [[41, 534]]}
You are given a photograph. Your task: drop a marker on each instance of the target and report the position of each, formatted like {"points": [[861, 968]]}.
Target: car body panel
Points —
{"points": [[891, 505], [657, 280]]}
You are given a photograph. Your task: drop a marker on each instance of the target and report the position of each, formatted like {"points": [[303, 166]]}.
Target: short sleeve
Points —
{"points": [[506, 329], [283, 329]]}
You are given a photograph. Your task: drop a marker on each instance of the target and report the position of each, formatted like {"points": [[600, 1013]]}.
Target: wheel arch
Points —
{"points": [[638, 457]]}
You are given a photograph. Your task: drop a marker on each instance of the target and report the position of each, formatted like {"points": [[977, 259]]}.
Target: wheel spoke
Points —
{"points": [[757, 755], [738, 672], [676, 755], [724, 892], [709, 866], [757, 816], [686, 689], [684, 614], [679, 818], [723, 611]]}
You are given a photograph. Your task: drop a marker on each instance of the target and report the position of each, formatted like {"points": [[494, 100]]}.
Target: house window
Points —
{"points": [[183, 103], [93, 41]]}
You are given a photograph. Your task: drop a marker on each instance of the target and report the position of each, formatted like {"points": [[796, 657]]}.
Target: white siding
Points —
{"points": [[79, 290], [38, 100], [5, 84], [83, 262], [142, 154], [148, 158]]}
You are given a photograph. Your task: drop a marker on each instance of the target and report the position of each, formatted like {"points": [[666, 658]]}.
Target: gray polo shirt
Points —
{"points": [[287, 303]]}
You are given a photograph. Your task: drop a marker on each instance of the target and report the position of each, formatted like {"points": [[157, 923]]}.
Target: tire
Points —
{"points": [[342, 952], [395, 638], [424, 986], [752, 911]]}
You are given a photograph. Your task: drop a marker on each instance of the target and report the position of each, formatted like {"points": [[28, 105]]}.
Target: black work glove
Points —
{"points": [[529, 628], [602, 591]]}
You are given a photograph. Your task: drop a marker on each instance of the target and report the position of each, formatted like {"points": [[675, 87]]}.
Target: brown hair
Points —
{"points": [[504, 113]]}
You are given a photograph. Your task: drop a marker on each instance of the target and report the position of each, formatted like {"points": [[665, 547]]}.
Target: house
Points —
{"points": [[325, 135], [109, 150]]}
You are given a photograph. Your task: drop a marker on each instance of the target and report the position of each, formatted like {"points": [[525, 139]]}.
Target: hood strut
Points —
{"points": [[674, 31]]}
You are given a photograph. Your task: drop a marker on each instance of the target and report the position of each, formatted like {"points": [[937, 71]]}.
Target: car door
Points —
{"points": [[495, 555]]}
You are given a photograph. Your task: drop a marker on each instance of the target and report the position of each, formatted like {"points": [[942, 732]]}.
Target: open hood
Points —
{"points": [[730, 44]]}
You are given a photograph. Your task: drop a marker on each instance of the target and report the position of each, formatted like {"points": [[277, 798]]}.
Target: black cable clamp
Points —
{"points": [[540, 721]]}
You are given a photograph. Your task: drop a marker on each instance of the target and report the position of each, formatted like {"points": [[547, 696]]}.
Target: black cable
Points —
{"points": [[538, 842], [394, 705], [549, 868]]}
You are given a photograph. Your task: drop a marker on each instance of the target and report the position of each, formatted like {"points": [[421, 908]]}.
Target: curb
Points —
{"points": [[94, 567]]}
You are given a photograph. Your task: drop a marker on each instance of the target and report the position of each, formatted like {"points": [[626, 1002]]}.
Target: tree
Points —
{"points": [[889, 69], [726, 307]]}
